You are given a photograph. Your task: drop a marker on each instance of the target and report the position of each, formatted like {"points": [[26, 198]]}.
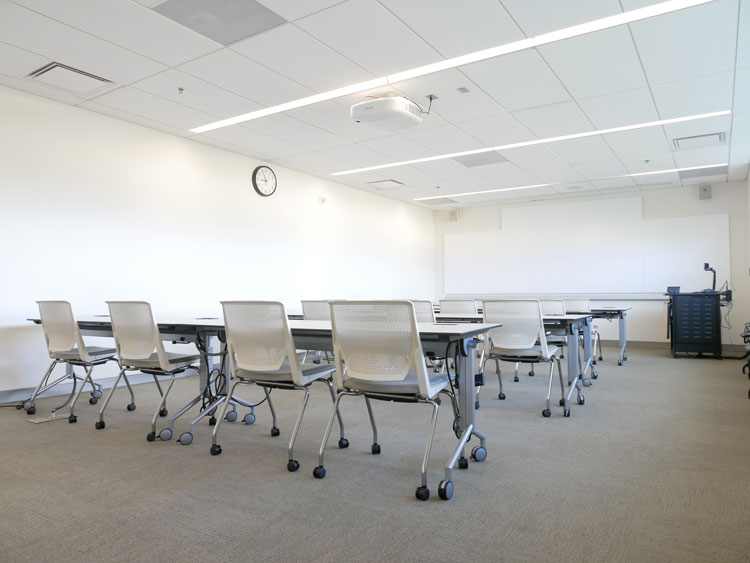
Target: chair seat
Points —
{"points": [[407, 386], [175, 361], [525, 353], [557, 339], [94, 352], [310, 372]]}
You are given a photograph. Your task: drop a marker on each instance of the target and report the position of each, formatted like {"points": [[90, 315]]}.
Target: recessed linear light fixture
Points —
{"points": [[635, 175], [538, 142], [529, 43]]}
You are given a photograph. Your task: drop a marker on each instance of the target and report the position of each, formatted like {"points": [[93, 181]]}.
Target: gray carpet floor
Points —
{"points": [[654, 467]]}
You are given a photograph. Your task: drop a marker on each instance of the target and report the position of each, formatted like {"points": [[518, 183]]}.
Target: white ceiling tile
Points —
{"points": [[596, 64], [714, 179], [398, 148], [701, 157], [467, 179], [613, 184], [40, 89], [370, 36], [741, 91], [692, 42], [234, 148], [739, 161], [518, 81], [314, 64], [334, 118], [354, 156], [454, 30], [285, 127], [497, 130], [538, 17], [18, 62], [600, 169], [698, 127], [587, 149], [508, 175], [743, 36], [56, 41], [740, 127], [412, 176], [158, 109], [445, 139], [253, 140], [316, 161], [244, 77], [557, 119], [543, 163], [450, 103], [638, 143], [131, 118], [157, 38], [663, 161], [701, 94], [294, 9], [196, 94], [622, 108]]}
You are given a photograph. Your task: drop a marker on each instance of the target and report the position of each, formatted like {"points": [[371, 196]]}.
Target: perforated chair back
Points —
{"points": [[424, 311], [135, 332], [578, 305], [552, 306], [60, 328], [258, 336], [316, 310], [377, 341], [522, 324], [458, 306]]}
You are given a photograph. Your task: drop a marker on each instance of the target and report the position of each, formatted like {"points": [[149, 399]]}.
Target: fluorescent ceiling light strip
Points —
{"points": [[529, 43], [538, 142], [563, 183]]}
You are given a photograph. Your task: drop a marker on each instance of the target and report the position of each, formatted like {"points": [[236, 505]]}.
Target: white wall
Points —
{"points": [[647, 320], [93, 208]]}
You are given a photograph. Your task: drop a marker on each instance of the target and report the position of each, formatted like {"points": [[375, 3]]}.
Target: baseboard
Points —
{"points": [[726, 349]]}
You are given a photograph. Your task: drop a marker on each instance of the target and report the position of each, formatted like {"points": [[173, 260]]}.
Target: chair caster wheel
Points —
{"points": [[375, 449], [185, 439], [478, 453], [93, 400], [165, 435], [587, 383], [437, 400], [231, 416], [501, 396], [562, 402], [212, 421], [532, 374], [163, 412], [566, 413], [619, 362], [292, 466], [546, 413], [98, 394], [463, 463], [581, 400], [515, 379], [151, 436], [72, 419], [31, 410], [215, 449], [319, 472], [131, 407], [600, 358], [422, 493], [99, 424], [343, 443], [476, 405], [275, 432], [19, 407], [594, 374], [249, 418], [445, 490]]}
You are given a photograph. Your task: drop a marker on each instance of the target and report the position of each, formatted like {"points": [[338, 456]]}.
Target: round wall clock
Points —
{"points": [[264, 181]]}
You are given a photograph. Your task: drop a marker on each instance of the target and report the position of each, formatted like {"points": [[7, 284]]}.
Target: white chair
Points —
{"points": [[424, 310], [261, 352], [556, 336], [522, 339], [65, 345], [140, 348], [379, 356], [584, 306], [316, 310], [458, 306]]}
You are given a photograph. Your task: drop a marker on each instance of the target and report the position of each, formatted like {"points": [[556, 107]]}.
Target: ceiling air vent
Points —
{"points": [[385, 184], [69, 79], [480, 159], [702, 172], [699, 141], [440, 201]]}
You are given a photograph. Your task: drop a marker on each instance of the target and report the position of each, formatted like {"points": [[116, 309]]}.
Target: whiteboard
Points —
{"points": [[600, 246]]}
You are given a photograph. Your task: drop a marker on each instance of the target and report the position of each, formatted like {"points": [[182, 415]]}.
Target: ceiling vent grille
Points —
{"points": [[440, 201], [699, 141], [703, 172], [68, 78], [385, 184]]}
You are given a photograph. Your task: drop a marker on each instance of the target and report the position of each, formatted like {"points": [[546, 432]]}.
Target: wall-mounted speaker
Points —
{"points": [[453, 215], [704, 191]]}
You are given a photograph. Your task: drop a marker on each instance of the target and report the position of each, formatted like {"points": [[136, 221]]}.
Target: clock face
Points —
{"points": [[264, 181]]}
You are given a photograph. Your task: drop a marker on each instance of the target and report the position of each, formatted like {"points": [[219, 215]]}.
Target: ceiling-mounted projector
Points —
{"points": [[392, 113]]}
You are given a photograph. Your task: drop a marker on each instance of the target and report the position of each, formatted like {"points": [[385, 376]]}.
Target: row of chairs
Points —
{"points": [[376, 347]]}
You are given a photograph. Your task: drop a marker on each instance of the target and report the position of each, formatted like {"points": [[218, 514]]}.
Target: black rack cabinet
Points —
{"points": [[695, 323]]}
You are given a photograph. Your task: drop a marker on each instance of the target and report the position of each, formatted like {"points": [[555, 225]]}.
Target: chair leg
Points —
{"points": [[131, 405], [598, 342], [426, 458], [500, 394], [562, 386], [515, 378], [161, 407], [216, 448], [547, 412], [30, 403], [320, 472], [72, 417], [375, 448], [100, 423], [342, 439], [293, 464], [274, 430]]}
